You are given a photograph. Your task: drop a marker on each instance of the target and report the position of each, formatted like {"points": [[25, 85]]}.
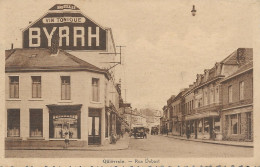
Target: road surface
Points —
{"points": [[153, 146]]}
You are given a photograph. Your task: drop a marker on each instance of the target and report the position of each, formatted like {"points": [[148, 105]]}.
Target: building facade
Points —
{"points": [[50, 91], [219, 104], [237, 111]]}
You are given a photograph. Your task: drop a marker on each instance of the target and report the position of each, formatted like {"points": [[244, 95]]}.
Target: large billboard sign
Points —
{"points": [[75, 31]]}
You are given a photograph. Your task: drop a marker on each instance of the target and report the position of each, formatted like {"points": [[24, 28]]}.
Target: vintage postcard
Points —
{"points": [[130, 83]]}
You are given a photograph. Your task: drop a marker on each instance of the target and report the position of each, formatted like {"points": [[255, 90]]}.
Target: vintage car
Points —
{"points": [[139, 132], [154, 131]]}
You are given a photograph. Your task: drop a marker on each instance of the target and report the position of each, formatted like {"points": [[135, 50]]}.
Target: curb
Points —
{"points": [[237, 145]]}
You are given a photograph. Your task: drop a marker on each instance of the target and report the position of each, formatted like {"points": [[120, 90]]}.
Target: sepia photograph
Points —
{"points": [[140, 80]]}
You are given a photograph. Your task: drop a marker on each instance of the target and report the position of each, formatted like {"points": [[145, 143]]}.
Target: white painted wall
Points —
{"points": [[81, 89]]}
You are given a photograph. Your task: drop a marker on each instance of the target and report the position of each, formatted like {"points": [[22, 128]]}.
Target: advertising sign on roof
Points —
{"points": [[64, 6], [74, 30]]}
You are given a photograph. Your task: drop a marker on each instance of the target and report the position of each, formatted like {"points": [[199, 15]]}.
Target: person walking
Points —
{"points": [[214, 134], [67, 138], [188, 133]]}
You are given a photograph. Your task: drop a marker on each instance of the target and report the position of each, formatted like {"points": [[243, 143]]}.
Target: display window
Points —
{"points": [[206, 125], [13, 123], [36, 121], [217, 124], [61, 123], [200, 126]]}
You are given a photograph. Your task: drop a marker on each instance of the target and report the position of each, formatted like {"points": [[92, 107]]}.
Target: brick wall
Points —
{"points": [[247, 78], [243, 136]]}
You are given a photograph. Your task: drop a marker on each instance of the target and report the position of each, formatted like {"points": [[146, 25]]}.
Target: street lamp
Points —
{"points": [[193, 11]]}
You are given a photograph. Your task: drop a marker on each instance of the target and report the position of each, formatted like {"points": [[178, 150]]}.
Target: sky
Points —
{"points": [[165, 45]]}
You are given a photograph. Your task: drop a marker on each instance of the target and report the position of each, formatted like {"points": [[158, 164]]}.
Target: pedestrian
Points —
{"points": [[188, 133], [214, 134], [67, 138], [145, 135], [167, 131]]}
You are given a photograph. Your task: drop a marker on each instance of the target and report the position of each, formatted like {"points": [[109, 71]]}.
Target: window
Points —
{"points": [[95, 89], [200, 126], [14, 86], [230, 94], [65, 87], [211, 95], [36, 122], [206, 125], [205, 97], [36, 87], [13, 123], [217, 124], [217, 94], [241, 91], [62, 122], [234, 124]]}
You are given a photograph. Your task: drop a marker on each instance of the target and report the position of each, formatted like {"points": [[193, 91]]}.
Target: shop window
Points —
{"points": [[230, 94], [36, 87], [234, 124], [206, 125], [13, 123], [200, 127], [36, 121], [63, 122], [65, 88], [192, 127], [14, 87], [95, 89], [241, 91], [217, 124]]}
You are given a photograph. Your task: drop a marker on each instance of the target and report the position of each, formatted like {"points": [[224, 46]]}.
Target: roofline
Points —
{"points": [[66, 68], [233, 76]]}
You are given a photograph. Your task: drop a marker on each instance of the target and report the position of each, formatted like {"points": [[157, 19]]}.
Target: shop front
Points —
{"points": [[204, 126], [94, 126], [62, 119]]}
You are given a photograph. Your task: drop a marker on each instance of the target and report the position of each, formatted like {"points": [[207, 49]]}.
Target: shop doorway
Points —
{"points": [[249, 126], [94, 126], [62, 119]]}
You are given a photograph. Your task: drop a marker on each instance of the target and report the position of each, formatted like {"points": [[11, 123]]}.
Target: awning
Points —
{"points": [[64, 108], [201, 115]]}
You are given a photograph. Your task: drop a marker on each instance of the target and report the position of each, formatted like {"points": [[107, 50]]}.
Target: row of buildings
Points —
{"points": [[147, 118], [218, 105], [63, 80]]}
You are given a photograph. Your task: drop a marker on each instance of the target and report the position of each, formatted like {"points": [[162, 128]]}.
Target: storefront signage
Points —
{"points": [[64, 7], [65, 116], [74, 31], [63, 20]]}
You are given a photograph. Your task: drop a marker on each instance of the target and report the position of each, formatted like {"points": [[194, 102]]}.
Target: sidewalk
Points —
{"points": [[230, 143], [121, 144]]}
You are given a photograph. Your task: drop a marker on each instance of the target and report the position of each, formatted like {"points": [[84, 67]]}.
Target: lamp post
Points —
{"points": [[193, 11]]}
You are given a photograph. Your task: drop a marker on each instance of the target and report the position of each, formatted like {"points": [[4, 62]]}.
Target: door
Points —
{"points": [[249, 125], [94, 126]]}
